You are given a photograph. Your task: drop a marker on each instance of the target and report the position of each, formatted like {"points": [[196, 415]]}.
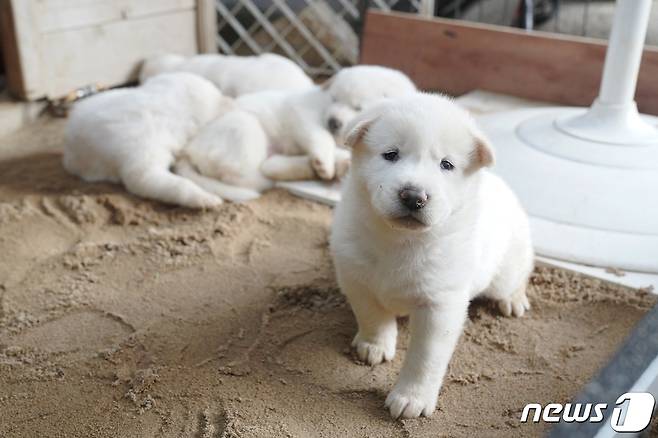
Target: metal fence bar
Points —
{"points": [[256, 24], [253, 45], [505, 11], [529, 14], [556, 25], [267, 26], [303, 30], [309, 48], [224, 47], [426, 8], [349, 7], [316, 46], [418, 5], [382, 5], [585, 17]]}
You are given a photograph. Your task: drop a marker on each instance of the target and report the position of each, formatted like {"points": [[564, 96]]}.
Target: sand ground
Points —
{"points": [[125, 318]]}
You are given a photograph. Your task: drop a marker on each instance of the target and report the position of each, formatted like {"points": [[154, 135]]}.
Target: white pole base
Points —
{"points": [[610, 124], [589, 202]]}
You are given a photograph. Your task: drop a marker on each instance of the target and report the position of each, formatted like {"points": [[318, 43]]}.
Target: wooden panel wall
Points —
{"points": [[55, 46], [53, 15], [457, 57]]}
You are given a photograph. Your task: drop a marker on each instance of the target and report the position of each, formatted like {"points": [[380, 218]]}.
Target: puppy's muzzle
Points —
{"points": [[413, 198], [334, 125]]}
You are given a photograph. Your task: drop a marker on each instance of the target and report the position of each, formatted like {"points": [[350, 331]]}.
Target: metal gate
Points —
{"points": [[322, 35]]}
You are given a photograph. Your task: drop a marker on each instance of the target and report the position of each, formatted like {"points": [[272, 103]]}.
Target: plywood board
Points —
{"points": [[20, 46], [54, 15], [457, 57], [55, 46], [110, 54]]}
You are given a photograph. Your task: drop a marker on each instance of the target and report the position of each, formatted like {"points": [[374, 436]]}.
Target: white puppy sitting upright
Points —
{"points": [[422, 229]]}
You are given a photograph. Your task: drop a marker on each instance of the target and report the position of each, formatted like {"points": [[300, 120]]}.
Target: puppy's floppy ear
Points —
{"points": [[357, 128], [482, 154]]}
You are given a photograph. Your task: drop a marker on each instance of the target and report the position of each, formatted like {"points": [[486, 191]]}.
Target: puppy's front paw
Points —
{"points": [[411, 401], [374, 352], [324, 169], [515, 305]]}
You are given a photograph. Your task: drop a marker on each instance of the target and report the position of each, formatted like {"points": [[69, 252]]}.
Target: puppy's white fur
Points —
{"points": [[218, 152], [233, 75], [134, 135], [292, 132], [471, 238]]}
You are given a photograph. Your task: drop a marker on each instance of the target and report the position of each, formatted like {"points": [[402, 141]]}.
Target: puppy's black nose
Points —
{"points": [[413, 198], [334, 124]]}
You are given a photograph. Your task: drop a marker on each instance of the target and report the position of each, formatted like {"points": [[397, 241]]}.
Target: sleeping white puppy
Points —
{"points": [[353, 89], [421, 230], [233, 75], [290, 133], [134, 135]]}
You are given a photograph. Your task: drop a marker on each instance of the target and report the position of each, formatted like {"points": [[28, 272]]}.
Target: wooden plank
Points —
{"points": [[56, 15], [78, 49], [110, 53], [457, 57], [24, 73], [10, 54], [207, 26]]}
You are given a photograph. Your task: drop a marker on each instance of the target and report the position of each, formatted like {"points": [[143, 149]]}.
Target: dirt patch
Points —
{"points": [[121, 318]]}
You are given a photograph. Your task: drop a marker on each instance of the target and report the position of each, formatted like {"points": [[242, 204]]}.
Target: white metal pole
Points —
{"points": [[426, 8], [622, 60], [584, 175], [613, 117]]}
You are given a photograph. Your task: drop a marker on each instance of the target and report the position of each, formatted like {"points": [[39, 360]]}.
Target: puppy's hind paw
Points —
{"points": [[373, 353], [515, 305]]}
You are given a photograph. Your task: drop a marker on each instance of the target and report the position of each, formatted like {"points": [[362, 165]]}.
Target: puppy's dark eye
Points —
{"points": [[446, 165], [392, 155]]}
